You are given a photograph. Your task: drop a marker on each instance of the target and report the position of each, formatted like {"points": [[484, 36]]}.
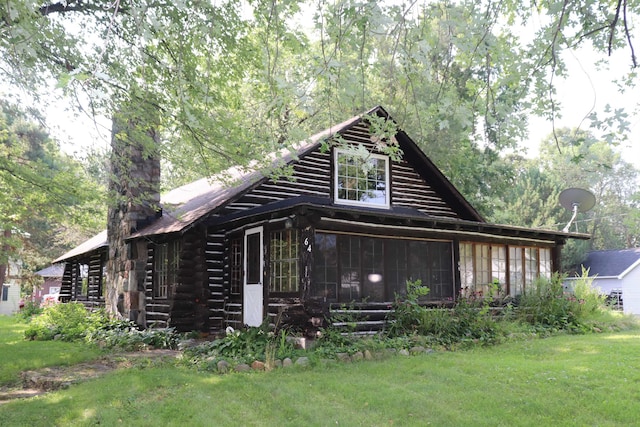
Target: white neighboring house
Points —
{"points": [[616, 270], [10, 293]]}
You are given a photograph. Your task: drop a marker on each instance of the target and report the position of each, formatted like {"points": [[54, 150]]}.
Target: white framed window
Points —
{"points": [[361, 181]]}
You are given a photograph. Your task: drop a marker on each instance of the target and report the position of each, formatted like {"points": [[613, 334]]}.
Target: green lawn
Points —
{"points": [[560, 381], [18, 355]]}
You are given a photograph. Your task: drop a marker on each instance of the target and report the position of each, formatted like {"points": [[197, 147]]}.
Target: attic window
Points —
{"points": [[361, 180]]}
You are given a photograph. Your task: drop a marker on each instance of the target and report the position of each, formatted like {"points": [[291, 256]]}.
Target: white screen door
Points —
{"points": [[253, 273]]}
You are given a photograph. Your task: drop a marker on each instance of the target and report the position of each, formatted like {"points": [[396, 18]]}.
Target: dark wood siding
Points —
{"points": [[157, 309], [67, 285], [215, 260], [95, 296], [312, 176]]}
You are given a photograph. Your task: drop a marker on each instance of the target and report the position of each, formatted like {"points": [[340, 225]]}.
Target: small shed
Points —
{"points": [[616, 271], [52, 276]]}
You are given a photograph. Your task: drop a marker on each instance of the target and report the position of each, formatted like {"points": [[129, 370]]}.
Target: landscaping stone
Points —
{"points": [[223, 366], [287, 362], [302, 361], [417, 349], [404, 352], [257, 365], [277, 363], [243, 367], [343, 357], [357, 356], [368, 355]]}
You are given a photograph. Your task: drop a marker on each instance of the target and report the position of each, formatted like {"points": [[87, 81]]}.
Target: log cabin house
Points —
{"points": [[333, 234]]}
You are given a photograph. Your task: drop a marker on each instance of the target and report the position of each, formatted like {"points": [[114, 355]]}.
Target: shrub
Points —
{"points": [[243, 346], [125, 335], [67, 322], [30, 309], [590, 300], [546, 304]]}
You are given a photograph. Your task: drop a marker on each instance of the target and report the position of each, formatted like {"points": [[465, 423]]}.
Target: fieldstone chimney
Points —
{"points": [[134, 191]]}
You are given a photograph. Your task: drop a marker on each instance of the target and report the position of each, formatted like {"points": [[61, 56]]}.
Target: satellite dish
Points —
{"points": [[576, 200]]}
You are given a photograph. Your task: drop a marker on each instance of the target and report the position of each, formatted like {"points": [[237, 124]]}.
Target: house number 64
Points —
{"points": [[307, 244]]}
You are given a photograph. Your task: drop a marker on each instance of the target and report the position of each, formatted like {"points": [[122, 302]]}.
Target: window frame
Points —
{"points": [[291, 260], [166, 266], [337, 153]]}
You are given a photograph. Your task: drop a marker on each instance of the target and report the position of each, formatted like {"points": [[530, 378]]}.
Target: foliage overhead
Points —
{"points": [[235, 79]]}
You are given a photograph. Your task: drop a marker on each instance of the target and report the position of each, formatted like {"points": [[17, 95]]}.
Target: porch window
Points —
{"points": [[5, 293], [516, 271], [513, 267], [166, 268], [283, 258], [480, 265], [359, 181], [356, 268]]}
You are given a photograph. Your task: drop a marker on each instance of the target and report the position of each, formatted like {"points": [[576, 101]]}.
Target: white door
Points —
{"points": [[253, 272]]}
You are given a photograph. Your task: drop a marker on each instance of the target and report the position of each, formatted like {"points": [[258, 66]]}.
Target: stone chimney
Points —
{"points": [[134, 192]]}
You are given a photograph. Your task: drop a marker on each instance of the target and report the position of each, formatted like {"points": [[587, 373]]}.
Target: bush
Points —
{"points": [[67, 322], [470, 320], [30, 309], [243, 346], [72, 322], [546, 304]]}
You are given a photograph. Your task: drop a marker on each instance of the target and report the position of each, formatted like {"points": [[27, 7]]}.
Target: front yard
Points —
{"points": [[562, 380]]}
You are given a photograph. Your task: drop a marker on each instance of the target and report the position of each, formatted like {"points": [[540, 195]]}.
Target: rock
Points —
{"points": [[223, 366], [277, 363], [242, 367], [287, 362], [357, 356], [404, 352], [417, 349], [368, 355], [343, 357], [302, 361], [257, 365], [429, 351]]}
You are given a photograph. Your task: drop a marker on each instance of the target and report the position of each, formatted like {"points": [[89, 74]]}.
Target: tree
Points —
{"points": [[228, 81], [46, 202], [584, 162]]}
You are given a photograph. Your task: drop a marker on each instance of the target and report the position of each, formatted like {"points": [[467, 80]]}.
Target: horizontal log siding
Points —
{"points": [[310, 177], [95, 298], [410, 190], [157, 309], [215, 262], [232, 301], [67, 285]]}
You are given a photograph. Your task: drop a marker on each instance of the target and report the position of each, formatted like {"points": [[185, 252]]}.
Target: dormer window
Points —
{"points": [[361, 181]]}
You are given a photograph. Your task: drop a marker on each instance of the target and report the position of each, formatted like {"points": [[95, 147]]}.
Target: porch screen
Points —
{"points": [[360, 268]]}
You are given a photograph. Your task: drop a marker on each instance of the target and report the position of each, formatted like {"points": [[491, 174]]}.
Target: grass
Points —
{"points": [[17, 354], [564, 380]]}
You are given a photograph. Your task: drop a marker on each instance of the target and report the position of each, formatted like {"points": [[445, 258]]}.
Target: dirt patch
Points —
{"points": [[34, 383]]}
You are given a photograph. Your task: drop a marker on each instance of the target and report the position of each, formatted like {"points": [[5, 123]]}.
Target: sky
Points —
{"points": [[588, 89]]}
